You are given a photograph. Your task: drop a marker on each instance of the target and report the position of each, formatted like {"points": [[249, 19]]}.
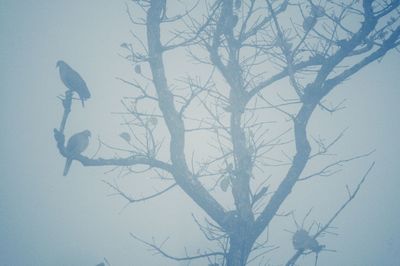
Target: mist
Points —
{"points": [[48, 219]]}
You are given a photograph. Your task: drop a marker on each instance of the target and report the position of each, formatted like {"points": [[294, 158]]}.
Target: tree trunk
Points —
{"points": [[239, 251]]}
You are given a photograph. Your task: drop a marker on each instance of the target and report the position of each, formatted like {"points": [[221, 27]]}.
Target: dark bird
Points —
{"points": [[229, 23], [73, 81], [125, 136], [309, 23], [77, 143], [138, 69]]}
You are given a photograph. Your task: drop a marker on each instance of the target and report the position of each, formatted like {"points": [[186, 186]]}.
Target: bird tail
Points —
{"points": [[67, 166]]}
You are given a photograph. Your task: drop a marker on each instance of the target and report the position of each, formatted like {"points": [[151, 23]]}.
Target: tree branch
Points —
{"points": [[174, 122]]}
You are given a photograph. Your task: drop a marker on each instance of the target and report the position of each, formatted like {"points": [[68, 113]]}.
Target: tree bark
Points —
{"points": [[239, 250]]}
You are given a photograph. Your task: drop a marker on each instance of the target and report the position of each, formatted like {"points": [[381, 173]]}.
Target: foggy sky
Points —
{"points": [[48, 219]]}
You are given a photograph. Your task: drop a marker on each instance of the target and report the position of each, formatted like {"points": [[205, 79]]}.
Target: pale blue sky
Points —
{"points": [[46, 219]]}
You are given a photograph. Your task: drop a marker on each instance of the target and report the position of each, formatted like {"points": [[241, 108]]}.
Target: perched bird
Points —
{"points": [[138, 69], [125, 136], [317, 11], [309, 23], [303, 241], [229, 23], [77, 143], [73, 81]]}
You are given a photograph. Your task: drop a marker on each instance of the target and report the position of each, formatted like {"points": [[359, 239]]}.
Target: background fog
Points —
{"points": [[48, 219]]}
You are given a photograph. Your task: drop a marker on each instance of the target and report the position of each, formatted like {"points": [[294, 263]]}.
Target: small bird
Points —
{"points": [[138, 69], [77, 143], [229, 23], [309, 23], [125, 136], [73, 81]]}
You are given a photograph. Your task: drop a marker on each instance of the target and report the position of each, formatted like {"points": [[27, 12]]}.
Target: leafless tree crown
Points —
{"points": [[263, 68]]}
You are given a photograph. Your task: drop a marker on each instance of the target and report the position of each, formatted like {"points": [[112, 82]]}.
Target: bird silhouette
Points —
{"points": [[73, 81], [77, 143]]}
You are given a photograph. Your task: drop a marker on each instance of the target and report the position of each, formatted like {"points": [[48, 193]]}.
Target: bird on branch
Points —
{"points": [[73, 81], [77, 143]]}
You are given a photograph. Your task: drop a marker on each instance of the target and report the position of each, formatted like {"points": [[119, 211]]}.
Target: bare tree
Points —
{"points": [[270, 65]]}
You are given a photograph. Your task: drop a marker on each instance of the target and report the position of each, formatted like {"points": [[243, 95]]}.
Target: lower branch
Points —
{"points": [[158, 249], [352, 195], [128, 161]]}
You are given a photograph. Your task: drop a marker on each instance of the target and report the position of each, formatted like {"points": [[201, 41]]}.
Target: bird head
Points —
{"points": [[87, 133], [60, 63]]}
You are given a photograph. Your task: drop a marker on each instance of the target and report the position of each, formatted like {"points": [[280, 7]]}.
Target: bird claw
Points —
{"points": [[59, 136]]}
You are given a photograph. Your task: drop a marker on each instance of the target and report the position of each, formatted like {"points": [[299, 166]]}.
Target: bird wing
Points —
{"points": [[82, 89], [77, 143], [74, 81]]}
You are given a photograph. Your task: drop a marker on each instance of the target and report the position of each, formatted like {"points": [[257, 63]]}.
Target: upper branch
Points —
{"points": [[300, 160], [347, 47], [390, 43], [184, 178]]}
